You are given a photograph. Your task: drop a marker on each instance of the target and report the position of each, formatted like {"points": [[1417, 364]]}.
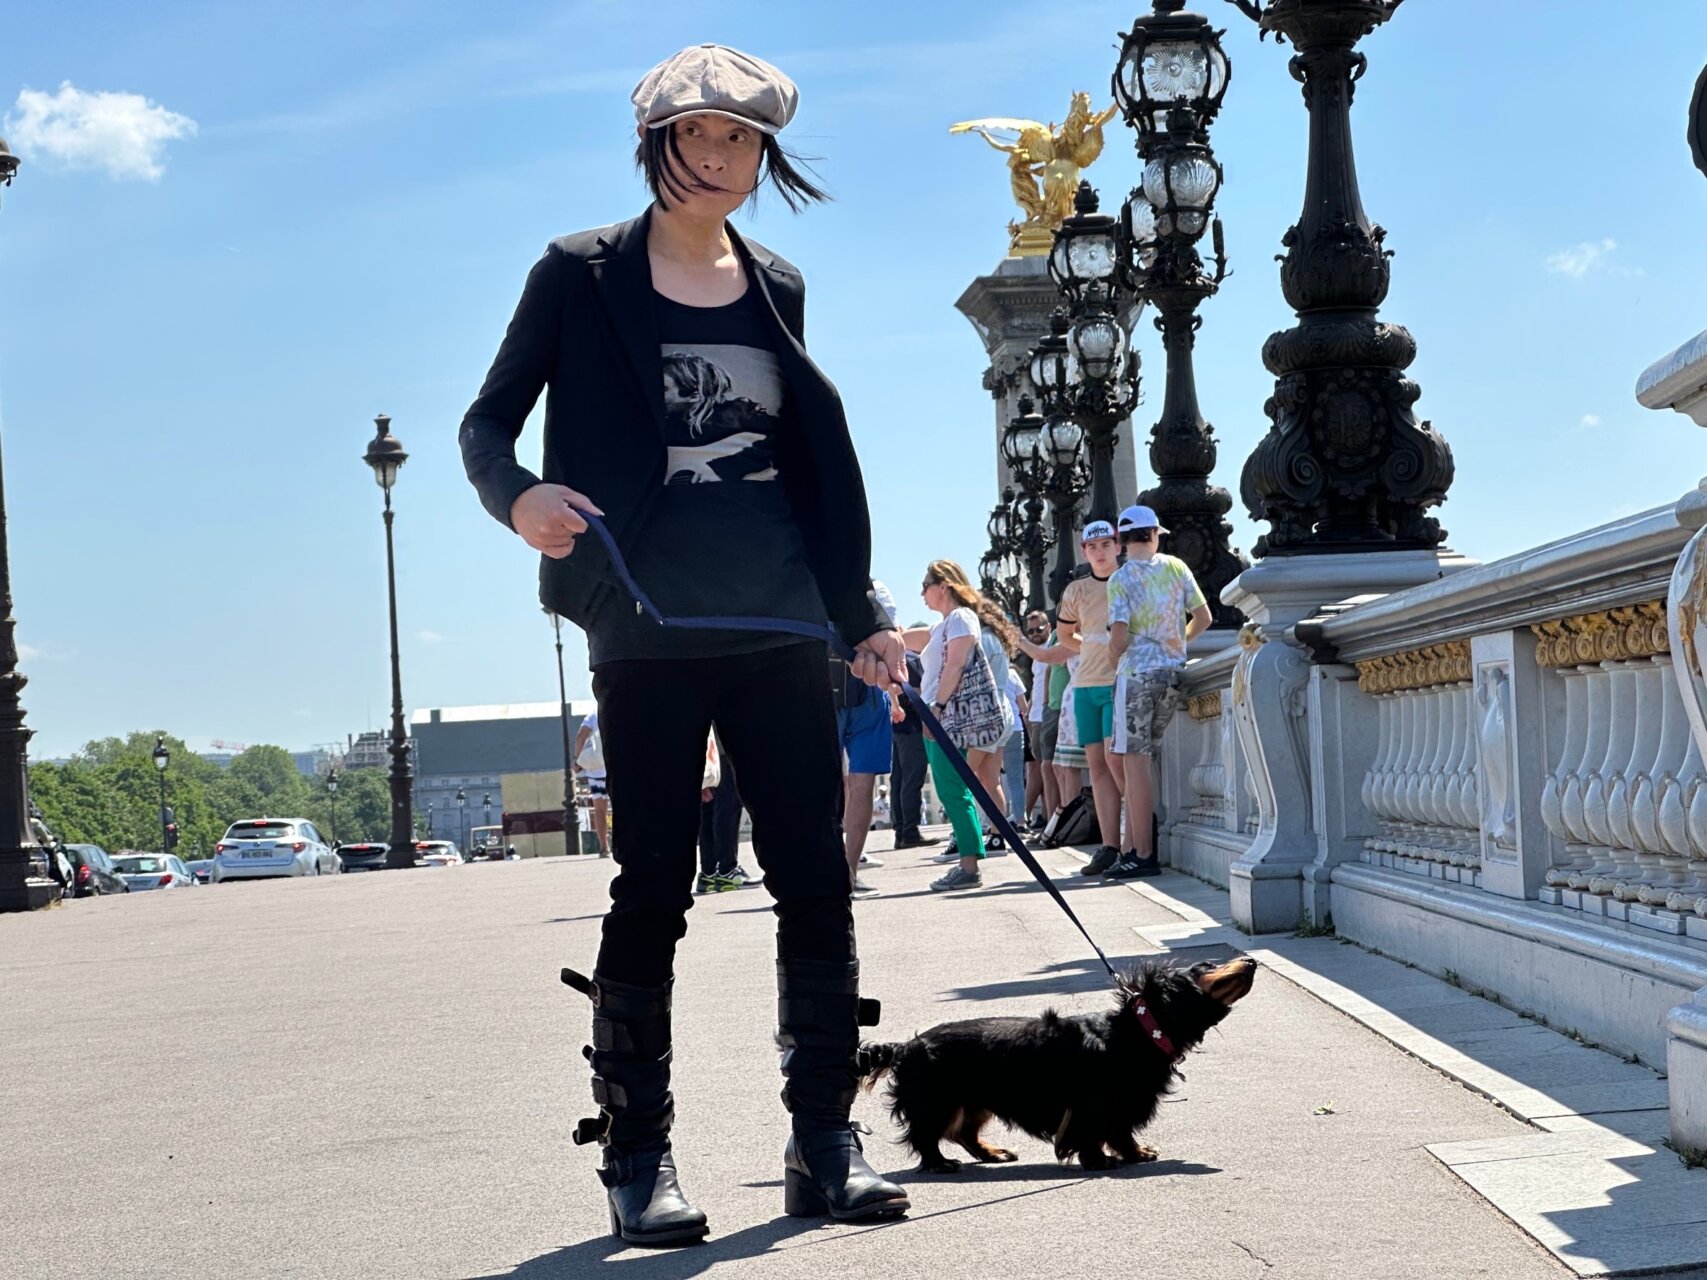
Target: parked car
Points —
{"points": [[200, 868], [366, 856], [154, 871], [259, 848], [92, 871], [438, 853]]}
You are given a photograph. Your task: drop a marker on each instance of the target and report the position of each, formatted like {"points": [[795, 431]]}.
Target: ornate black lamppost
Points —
{"points": [[1020, 450], [385, 455], [1096, 374], [429, 819], [1065, 483], [1169, 84], [24, 883], [332, 796], [162, 758], [571, 812], [1345, 465], [998, 570], [462, 818]]}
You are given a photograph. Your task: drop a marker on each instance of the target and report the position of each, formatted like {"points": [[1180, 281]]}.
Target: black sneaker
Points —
{"points": [[1132, 867], [1101, 861]]}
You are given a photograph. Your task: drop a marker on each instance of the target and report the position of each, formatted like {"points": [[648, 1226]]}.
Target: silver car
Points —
{"points": [[260, 848], [153, 871]]}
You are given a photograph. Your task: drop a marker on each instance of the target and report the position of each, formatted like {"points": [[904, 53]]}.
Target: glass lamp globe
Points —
{"points": [[1098, 344]]}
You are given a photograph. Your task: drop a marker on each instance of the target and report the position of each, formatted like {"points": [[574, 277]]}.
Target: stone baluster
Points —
{"points": [[1635, 816], [1604, 801], [1432, 786], [1425, 732], [1373, 779], [1564, 768], [1656, 803], [1585, 779]]}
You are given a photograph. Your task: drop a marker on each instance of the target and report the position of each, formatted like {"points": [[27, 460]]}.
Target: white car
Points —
{"points": [[257, 848], [438, 853], [153, 871]]}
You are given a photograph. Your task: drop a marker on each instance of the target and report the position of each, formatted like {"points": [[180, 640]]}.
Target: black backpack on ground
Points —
{"points": [[1075, 824]]}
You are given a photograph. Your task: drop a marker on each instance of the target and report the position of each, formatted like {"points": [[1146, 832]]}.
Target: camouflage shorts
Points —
{"points": [[1148, 700]]}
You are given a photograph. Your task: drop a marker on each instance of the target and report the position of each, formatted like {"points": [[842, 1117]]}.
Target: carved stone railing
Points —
{"points": [[1208, 806], [1627, 774], [1422, 786]]}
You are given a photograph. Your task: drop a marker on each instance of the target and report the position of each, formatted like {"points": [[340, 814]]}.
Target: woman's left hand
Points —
{"points": [[880, 659]]}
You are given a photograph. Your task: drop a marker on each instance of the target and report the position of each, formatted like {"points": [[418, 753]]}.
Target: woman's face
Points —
{"points": [[935, 596], [722, 158]]}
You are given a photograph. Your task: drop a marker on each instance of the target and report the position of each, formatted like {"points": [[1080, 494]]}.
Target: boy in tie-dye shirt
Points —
{"points": [[1154, 607]]}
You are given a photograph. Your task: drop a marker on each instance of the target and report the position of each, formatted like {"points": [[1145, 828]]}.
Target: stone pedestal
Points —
{"points": [[1309, 813], [1010, 309]]}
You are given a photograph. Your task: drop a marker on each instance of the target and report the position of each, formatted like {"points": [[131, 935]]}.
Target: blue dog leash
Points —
{"points": [[838, 646]]}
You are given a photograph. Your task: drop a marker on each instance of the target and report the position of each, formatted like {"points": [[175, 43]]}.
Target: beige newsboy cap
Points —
{"points": [[719, 80]]}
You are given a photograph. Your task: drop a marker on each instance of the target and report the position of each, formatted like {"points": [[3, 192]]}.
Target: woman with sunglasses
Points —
{"points": [[682, 408]]}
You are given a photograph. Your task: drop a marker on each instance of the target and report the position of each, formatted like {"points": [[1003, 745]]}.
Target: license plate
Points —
{"points": [[257, 853]]}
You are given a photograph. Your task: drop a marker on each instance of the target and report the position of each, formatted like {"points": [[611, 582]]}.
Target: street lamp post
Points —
{"points": [[486, 804], [1345, 465], [1097, 374], [1169, 85], [571, 812], [429, 819], [332, 795], [162, 758], [1067, 479], [385, 455], [462, 818], [24, 883], [1021, 445]]}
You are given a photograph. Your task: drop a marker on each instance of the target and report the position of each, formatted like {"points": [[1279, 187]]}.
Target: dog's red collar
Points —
{"points": [[1147, 1020]]}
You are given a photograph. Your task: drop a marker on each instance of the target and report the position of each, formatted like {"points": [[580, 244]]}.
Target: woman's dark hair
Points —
{"points": [[777, 165], [1136, 535]]}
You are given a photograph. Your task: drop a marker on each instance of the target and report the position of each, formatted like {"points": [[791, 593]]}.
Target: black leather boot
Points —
{"points": [[630, 1055], [824, 1170]]}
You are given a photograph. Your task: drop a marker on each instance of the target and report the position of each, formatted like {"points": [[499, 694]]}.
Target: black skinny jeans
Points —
{"points": [[773, 710], [720, 822]]}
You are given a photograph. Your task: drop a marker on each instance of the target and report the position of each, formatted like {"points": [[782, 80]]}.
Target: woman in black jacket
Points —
{"points": [[682, 408]]}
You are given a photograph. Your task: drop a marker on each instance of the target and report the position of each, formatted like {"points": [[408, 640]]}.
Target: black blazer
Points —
{"points": [[586, 332]]}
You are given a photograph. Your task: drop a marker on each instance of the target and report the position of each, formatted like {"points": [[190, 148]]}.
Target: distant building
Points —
{"points": [[221, 758], [370, 750], [471, 749]]}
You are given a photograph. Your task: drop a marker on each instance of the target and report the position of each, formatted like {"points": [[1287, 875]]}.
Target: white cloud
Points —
{"points": [[428, 637], [29, 653], [122, 134], [1577, 261], [1590, 420]]}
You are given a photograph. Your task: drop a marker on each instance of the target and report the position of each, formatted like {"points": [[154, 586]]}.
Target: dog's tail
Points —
{"points": [[876, 1061]]}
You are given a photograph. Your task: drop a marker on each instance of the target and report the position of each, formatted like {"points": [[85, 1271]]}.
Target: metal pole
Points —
{"points": [[402, 843], [571, 814], [1100, 439], [24, 884], [165, 839]]}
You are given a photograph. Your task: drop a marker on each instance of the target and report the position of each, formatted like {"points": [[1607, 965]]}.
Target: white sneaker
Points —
{"points": [[862, 890], [866, 860]]}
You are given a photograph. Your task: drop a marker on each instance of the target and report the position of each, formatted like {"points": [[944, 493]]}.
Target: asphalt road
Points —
{"points": [[375, 1076]]}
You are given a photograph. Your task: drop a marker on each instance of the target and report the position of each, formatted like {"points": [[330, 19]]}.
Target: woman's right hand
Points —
{"points": [[548, 518]]}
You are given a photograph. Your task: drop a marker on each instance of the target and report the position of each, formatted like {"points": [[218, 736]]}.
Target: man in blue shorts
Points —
{"points": [[864, 720]]}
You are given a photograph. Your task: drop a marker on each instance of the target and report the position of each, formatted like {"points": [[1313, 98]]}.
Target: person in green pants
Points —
{"points": [[945, 649]]}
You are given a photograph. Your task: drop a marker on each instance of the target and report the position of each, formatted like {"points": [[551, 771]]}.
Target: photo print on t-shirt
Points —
{"points": [[722, 405]]}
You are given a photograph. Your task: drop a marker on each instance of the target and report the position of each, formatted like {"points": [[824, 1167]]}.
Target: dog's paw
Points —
{"points": [[999, 1155], [1147, 1154], [945, 1165]]}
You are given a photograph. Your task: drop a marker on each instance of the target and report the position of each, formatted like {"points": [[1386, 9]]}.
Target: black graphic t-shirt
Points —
{"points": [[722, 539]]}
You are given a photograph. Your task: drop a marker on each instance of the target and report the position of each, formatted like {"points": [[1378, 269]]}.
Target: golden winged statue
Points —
{"points": [[1044, 163]]}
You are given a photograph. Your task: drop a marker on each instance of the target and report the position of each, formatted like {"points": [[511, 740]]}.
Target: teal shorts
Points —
{"points": [[1093, 714]]}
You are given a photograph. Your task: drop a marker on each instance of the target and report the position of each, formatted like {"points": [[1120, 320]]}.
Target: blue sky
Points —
{"points": [[190, 361]]}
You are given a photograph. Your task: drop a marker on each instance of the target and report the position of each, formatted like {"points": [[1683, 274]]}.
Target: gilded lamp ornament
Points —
{"points": [[1044, 164]]}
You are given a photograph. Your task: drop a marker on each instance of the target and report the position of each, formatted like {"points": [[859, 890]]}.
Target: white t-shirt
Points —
{"points": [[591, 721], [962, 622], [1039, 691], [1016, 691]]}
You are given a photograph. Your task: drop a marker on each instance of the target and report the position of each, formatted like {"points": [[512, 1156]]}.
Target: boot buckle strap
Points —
{"points": [[591, 1129], [870, 1010], [582, 983]]}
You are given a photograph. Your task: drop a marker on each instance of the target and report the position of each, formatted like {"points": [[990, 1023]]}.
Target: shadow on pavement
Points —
{"points": [[663, 1264]]}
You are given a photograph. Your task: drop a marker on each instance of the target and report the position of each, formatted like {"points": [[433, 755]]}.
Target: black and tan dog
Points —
{"points": [[1087, 1083]]}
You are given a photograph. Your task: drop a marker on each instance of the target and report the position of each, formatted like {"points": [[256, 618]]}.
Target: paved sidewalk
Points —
{"points": [[375, 1076]]}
